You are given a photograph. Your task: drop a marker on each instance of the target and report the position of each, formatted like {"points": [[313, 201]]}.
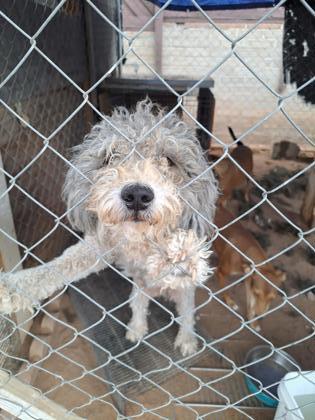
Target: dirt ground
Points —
{"points": [[291, 325]]}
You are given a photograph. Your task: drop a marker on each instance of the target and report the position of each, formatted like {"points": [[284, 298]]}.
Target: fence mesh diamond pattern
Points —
{"points": [[50, 75]]}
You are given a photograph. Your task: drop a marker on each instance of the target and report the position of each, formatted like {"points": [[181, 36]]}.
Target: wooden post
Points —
{"points": [[158, 38], [15, 395], [9, 250], [205, 116], [308, 205]]}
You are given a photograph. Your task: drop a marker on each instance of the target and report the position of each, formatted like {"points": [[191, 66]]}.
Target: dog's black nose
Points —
{"points": [[137, 196]]}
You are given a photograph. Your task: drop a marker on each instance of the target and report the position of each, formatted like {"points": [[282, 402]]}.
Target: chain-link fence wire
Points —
{"points": [[46, 122], [190, 46]]}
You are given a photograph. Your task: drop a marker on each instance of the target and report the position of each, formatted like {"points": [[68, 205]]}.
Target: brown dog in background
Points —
{"points": [[259, 293], [230, 176]]}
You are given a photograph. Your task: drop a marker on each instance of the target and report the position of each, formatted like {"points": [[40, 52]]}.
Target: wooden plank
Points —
{"points": [[225, 16], [156, 85], [136, 13], [139, 8], [15, 395]]}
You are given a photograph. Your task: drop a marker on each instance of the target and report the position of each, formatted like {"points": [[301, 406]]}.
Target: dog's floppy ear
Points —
{"points": [[201, 208], [88, 157]]}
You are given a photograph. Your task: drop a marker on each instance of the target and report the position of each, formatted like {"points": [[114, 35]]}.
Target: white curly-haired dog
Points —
{"points": [[143, 196]]}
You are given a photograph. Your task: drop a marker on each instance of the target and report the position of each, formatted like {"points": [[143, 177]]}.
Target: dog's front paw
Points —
{"points": [[256, 326], [187, 344], [136, 332], [11, 301], [180, 246], [231, 303]]}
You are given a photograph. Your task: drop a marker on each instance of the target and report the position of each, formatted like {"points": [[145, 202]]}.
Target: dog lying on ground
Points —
{"points": [[230, 176], [259, 293], [143, 196]]}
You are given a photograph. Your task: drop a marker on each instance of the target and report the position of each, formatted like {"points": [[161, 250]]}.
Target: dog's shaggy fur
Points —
{"points": [[162, 246]]}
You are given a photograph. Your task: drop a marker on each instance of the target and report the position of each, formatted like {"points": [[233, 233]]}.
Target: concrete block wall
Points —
{"points": [[191, 51]]}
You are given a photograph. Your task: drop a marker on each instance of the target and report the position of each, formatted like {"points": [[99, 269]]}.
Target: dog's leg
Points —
{"points": [[247, 195], [251, 304], [185, 304], [25, 288], [138, 325], [221, 275]]}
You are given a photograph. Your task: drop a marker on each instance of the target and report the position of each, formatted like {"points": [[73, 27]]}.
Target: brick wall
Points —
{"points": [[190, 51]]}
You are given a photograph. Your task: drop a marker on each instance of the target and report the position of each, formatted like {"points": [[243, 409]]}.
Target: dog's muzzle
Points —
{"points": [[137, 196]]}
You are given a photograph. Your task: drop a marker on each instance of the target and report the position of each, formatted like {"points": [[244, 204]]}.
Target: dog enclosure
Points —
{"points": [[64, 65]]}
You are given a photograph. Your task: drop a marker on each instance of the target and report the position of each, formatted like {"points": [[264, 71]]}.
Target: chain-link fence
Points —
{"points": [[191, 45], [66, 64]]}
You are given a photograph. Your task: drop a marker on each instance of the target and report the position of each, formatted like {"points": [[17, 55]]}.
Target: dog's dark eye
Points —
{"points": [[170, 162]]}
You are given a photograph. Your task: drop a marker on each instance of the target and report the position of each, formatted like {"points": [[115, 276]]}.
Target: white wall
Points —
{"points": [[241, 101]]}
